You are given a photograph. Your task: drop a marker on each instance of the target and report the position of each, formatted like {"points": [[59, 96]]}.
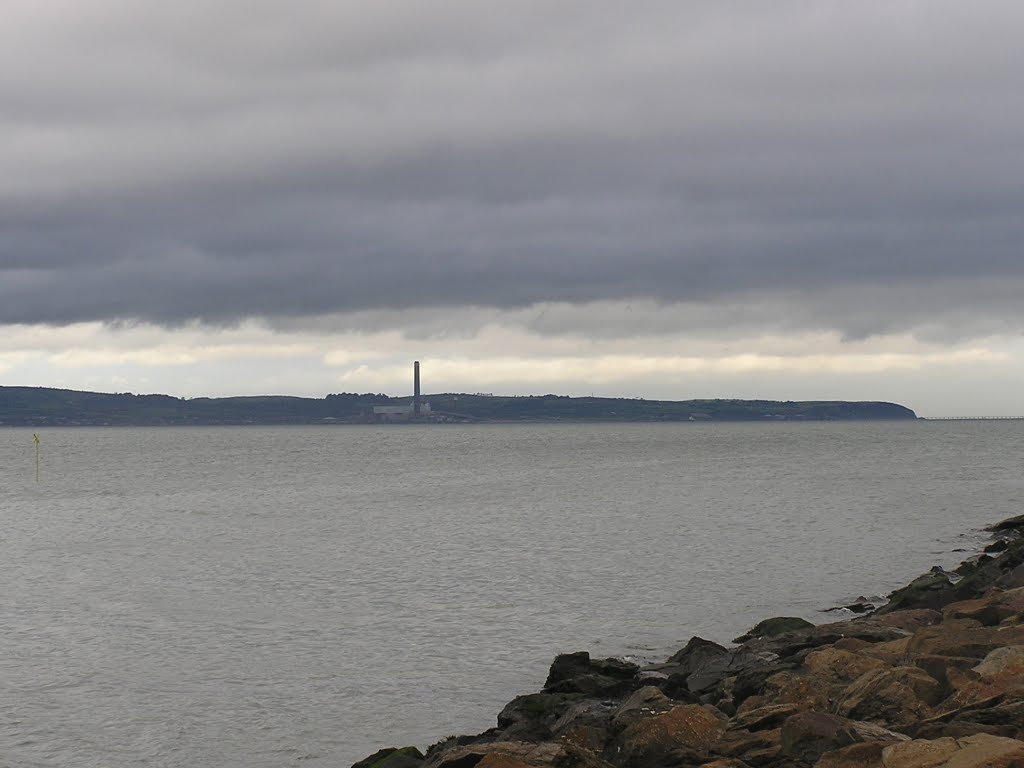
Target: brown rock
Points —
{"points": [[514, 754], [808, 735], [893, 652], [763, 717], [688, 727], [963, 637], [984, 751], [1004, 668], [910, 619], [841, 666], [741, 743], [866, 755], [960, 730], [503, 761], [896, 695], [989, 610], [729, 763], [586, 725], [1001, 672], [643, 703], [932, 727], [939, 666], [798, 688], [969, 689], [1007, 715], [919, 753], [851, 644]]}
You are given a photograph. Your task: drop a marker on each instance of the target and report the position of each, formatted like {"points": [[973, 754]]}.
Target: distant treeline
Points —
{"points": [[38, 406]]}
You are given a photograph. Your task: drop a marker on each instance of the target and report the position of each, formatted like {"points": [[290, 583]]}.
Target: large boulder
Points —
{"points": [[943, 668], [530, 717], [893, 652], [985, 571], [696, 651], [794, 687], [838, 666], [825, 674], [578, 673], [1012, 578], [990, 610], [806, 736], [1000, 673], [756, 748], [586, 724], [700, 668], [769, 716], [1004, 668], [790, 645], [932, 590], [919, 753], [645, 702], [778, 625], [980, 751], [749, 684], [999, 718], [963, 637], [684, 733], [898, 695]]}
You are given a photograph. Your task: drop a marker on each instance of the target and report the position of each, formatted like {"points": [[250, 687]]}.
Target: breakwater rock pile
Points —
{"points": [[935, 677]]}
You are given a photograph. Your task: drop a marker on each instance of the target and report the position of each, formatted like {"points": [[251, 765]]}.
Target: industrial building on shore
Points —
{"points": [[417, 409]]}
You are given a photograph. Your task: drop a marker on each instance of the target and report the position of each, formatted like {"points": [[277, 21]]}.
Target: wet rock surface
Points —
{"points": [[933, 678]]}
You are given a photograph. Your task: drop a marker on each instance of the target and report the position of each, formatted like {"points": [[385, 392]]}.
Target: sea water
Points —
{"points": [[305, 595]]}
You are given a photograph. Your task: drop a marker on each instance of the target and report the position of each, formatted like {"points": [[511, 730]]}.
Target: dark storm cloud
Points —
{"points": [[856, 168]]}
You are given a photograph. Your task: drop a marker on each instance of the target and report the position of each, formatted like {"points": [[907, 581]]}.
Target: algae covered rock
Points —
{"points": [[391, 757]]}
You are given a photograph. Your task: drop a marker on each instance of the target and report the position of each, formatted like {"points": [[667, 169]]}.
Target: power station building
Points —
{"points": [[414, 410]]}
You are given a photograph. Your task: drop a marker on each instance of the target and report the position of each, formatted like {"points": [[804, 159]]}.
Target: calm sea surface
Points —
{"points": [[274, 596]]}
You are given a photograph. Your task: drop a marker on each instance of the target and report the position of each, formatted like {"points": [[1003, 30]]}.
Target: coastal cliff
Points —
{"points": [[935, 677]]}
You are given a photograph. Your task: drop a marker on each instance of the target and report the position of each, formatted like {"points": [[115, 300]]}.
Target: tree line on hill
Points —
{"points": [[40, 406]]}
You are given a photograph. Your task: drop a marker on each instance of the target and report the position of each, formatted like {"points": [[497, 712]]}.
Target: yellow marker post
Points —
{"points": [[36, 436]]}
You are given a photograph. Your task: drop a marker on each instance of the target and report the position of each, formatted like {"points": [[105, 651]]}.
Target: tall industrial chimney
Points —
{"points": [[416, 388]]}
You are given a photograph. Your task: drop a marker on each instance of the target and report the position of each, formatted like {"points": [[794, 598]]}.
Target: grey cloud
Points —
{"points": [[824, 164]]}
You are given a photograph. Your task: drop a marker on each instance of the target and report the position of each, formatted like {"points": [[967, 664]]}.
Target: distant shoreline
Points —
{"points": [[42, 407]]}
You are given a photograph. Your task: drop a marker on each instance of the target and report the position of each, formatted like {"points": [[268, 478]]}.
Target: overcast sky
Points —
{"points": [[795, 199]]}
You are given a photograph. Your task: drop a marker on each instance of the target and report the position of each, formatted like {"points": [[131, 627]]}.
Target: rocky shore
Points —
{"points": [[935, 677]]}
